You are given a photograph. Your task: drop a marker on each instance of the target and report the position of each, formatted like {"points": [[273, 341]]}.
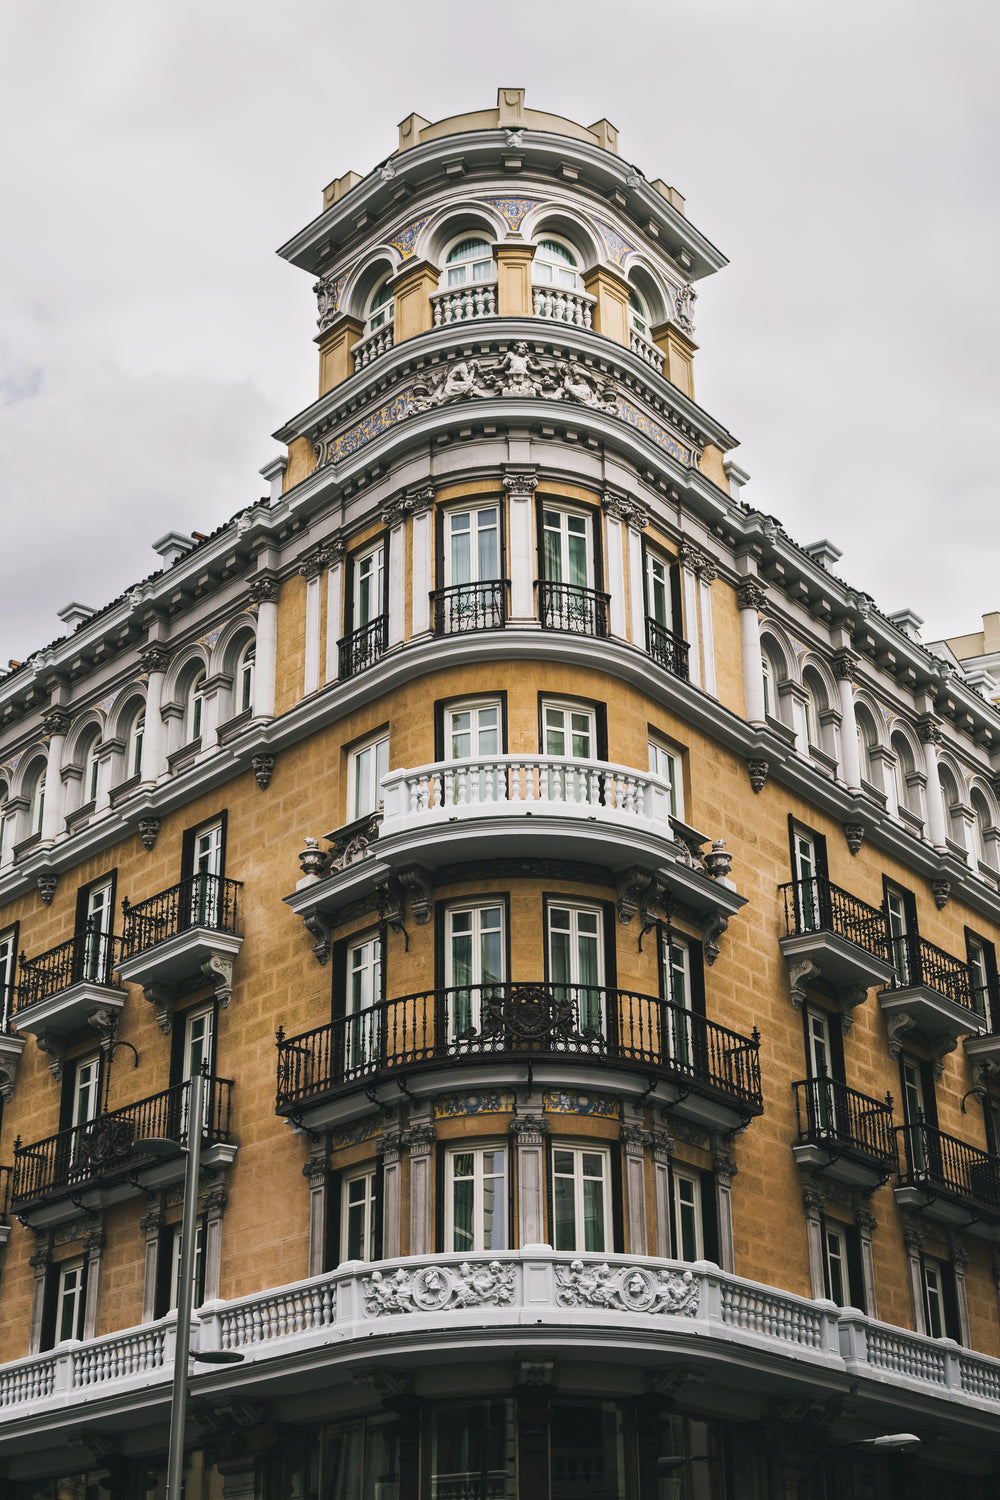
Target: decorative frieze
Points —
{"points": [[627, 1289], [576, 1102], [491, 1102], [437, 1288], [518, 373]]}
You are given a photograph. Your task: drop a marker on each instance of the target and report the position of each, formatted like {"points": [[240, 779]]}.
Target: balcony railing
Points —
{"points": [[362, 648], [470, 606], [666, 648], [567, 606], [828, 1113], [524, 1022], [946, 1166], [495, 785], [105, 1147], [918, 962], [576, 308], [90, 956], [460, 303], [815, 905], [368, 349], [645, 350], [202, 900]]}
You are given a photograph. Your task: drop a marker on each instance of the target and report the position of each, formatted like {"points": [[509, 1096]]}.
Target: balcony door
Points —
{"points": [[85, 1090], [206, 886], [805, 869], [901, 922], [362, 1031], [472, 551], [575, 942], [676, 984], [369, 587], [567, 548], [198, 1052], [474, 968], [98, 921], [473, 733], [569, 732]]}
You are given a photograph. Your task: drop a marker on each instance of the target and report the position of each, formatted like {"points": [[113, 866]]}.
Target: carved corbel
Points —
{"points": [[56, 1052], [895, 1026], [631, 883], [320, 926], [940, 1051], [8, 1075], [149, 829], [848, 1000], [800, 972], [757, 771], [654, 906], [670, 1379], [418, 883], [854, 833], [162, 996], [940, 890], [218, 970], [390, 901], [263, 769], [47, 882], [716, 924]]}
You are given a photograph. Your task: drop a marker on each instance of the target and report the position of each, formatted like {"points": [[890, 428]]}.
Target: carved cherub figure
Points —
{"points": [[516, 371]]}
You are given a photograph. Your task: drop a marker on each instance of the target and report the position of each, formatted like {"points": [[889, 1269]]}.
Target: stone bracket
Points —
{"points": [[163, 997], [716, 923], [418, 883], [321, 927], [218, 970]]}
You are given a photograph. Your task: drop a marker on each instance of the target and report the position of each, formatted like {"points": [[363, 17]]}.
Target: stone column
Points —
{"points": [[310, 568], [334, 608], [813, 1202], [913, 1239], [212, 1204], [420, 1140], [264, 593], [634, 1140], [614, 507], [529, 1132], [844, 667], [929, 730], [637, 522], [394, 516], [663, 1147], [959, 1266], [317, 1173], [750, 598], [707, 574], [520, 489], [689, 557], [867, 1225], [151, 1226], [154, 659], [56, 724], [725, 1170], [39, 1263], [390, 1148], [93, 1243], [422, 555]]}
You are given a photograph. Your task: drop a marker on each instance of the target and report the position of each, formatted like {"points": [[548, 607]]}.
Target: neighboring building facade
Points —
{"points": [[573, 1150]]}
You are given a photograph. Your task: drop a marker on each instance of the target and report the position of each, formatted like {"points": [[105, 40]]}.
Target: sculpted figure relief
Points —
{"points": [[516, 373]]}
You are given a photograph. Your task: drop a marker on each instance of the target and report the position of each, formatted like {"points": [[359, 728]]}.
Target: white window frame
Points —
{"points": [[202, 1040], [207, 860], [568, 278], [6, 825], [362, 992], [689, 1224], [568, 729], [38, 802], [133, 746], [638, 317], [658, 588], [194, 712], [371, 559], [91, 769], [899, 933], [72, 1297], [465, 1015], [367, 764], [477, 730], [567, 513], [8, 968], [472, 512], [99, 920], [479, 1151], [578, 1178], [589, 1005], [836, 1263], [199, 1263], [380, 315], [675, 962], [367, 1176], [449, 279], [805, 873], [933, 1290], [667, 761], [86, 1100], [245, 668]]}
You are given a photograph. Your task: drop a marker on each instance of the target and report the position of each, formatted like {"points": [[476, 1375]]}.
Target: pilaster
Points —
{"points": [[336, 362], [514, 278], [529, 1132]]}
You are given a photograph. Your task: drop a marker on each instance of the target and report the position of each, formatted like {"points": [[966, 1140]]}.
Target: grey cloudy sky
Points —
{"points": [[154, 152]]}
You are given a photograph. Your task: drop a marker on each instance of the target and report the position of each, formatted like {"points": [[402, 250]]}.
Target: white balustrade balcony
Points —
{"points": [[613, 1307], [575, 308], [460, 303], [646, 350], [367, 349]]}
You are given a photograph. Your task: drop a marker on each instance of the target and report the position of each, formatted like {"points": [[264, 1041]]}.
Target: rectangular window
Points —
{"points": [[198, 1051], [982, 960], [360, 1462], [901, 918], [176, 1244], [472, 729], [472, 1451], [357, 1215], [658, 598], [476, 1199], [70, 1300], [86, 1087], [576, 961], [588, 1454], [570, 730], [472, 553], [580, 1198], [567, 548], [365, 768], [369, 586], [8, 967], [675, 971], [835, 1269], [934, 1308], [666, 762], [98, 921], [474, 964], [689, 1243], [362, 1024]]}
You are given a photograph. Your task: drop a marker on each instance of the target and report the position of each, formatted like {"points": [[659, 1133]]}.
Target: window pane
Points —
{"points": [[463, 1201], [565, 1217], [593, 1214]]}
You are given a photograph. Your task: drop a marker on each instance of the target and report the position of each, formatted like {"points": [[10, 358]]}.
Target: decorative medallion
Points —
{"points": [[437, 1288], [634, 1289], [405, 241], [512, 210]]}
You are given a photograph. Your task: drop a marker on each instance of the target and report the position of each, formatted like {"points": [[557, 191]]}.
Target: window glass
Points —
{"points": [[381, 307], [658, 591], [363, 1022], [676, 971], [767, 674], [667, 763], [895, 907], [568, 730], [195, 707], [244, 678], [86, 1090], [476, 1202], [687, 1216], [470, 260], [176, 1244], [580, 1198], [99, 919], [369, 587], [91, 769], [637, 314], [933, 1299], [472, 730], [587, 1453], [835, 1260], [567, 553], [366, 767], [8, 964], [357, 1216], [133, 763], [70, 1301], [472, 1450], [6, 824], [473, 551], [360, 1460], [555, 264], [38, 804], [474, 964], [979, 975]]}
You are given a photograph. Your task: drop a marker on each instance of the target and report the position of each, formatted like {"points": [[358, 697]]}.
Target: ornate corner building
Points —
{"points": [[582, 901]]}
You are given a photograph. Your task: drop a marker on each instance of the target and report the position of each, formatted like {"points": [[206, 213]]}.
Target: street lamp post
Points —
{"points": [[888, 1442]]}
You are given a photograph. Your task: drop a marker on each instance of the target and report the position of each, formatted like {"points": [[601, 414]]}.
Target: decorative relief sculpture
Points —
{"points": [[684, 303], [854, 833], [149, 829], [263, 769], [751, 594], [218, 970], [518, 373], [757, 771], [627, 1289], [47, 883], [716, 924], [355, 843], [439, 1288]]}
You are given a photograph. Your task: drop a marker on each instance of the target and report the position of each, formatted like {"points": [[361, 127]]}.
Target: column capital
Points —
{"points": [[751, 594], [929, 729], [154, 658], [529, 1130], [264, 589], [845, 665], [520, 486], [55, 721]]}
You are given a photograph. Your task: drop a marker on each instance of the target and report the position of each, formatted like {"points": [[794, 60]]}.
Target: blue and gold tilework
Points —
{"points": [[657, 434], [616, 247], [355, 1133], [492, 1102], [512, 210], [405, 241], [574, 1102]]}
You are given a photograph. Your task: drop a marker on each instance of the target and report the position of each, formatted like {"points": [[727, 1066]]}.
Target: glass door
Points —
{"points": [[899, 945], [576, 964], [678, 1030], [818, 1060], [806, 883], [199, 1037], [97, 934], [914, 1104], [362, 1027], [369, 587], [474, 968], [206, 887], [658, 592]]}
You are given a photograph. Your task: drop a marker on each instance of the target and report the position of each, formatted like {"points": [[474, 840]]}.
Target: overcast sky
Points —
{"points": [[153, 153]]}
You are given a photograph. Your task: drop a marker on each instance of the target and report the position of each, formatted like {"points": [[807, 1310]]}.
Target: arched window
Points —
{"points": [[904, 781], [470, 260], [770, 684], [556, 265], [814, 702], [6, 823], [38, 802], [133, 750], [195, 702], [983, 829], [953, 821], [637, 316], [244, 677], [381, 306], [91, 769], [867, 743]]}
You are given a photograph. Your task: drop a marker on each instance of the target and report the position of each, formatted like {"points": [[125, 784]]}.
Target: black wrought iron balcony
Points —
{"points": [[567, 606], [523, 1022], [362, 648], [947, 1179], [666, 648], [103, 1152], [470, 606], [845, 1133], [89, 957], [917, 962], [203, 901], [816, 905]]}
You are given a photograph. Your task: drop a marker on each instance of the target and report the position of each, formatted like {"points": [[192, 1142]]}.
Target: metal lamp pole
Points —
{"points": [[185, 1288]]}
